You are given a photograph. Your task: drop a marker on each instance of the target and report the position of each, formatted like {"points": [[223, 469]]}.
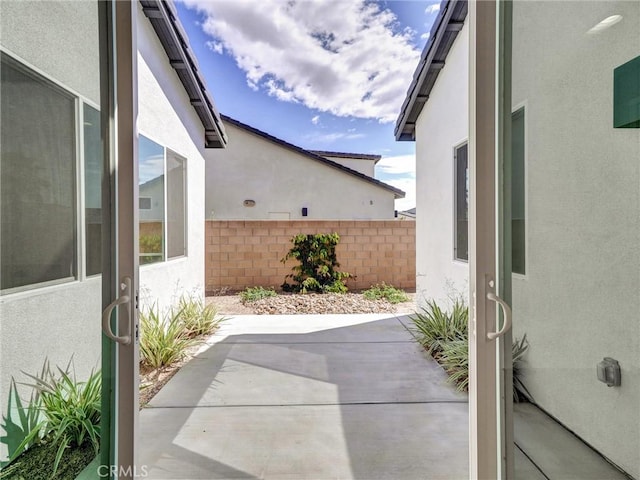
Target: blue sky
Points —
{"points": [[323, 75]]}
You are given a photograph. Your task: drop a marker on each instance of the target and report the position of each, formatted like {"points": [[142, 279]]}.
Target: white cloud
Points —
{"points": [[400, 165], [433, 8], [425, 35], [215, 47], [345, 58], [315, 120], [332, 137], [400, 171]]}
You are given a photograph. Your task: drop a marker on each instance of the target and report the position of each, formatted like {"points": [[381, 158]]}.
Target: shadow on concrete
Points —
{"points": [[355, 398]]}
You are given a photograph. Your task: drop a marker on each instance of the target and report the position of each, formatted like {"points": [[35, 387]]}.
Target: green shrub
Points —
{"points": [[435, 327], [252, 294], [196, 317], [388, 292], [163, 338], [151, 243], [71, 410], [445, 336], [317, 271], [454, 357]]}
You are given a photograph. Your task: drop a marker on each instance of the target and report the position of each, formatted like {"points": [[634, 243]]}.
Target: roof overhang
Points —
{"points": [[444, 31], [353, 156], [164, 18]]}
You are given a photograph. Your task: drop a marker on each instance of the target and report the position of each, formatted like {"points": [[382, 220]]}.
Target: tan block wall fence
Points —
{"points": [[241, 254]]}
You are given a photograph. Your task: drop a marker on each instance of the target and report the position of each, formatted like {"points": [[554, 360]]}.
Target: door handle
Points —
{"points": [[123, 299], [506, 310]]}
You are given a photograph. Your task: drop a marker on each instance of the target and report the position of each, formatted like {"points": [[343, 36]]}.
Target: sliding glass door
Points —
{"points": [[67, 239], [555, 170]]}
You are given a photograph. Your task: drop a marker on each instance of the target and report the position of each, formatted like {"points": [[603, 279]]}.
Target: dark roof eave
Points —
{"points": [[357, 156], [165, 22], [444, 31], [396, 191]]}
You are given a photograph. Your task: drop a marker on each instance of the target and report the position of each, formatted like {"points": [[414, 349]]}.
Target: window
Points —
{"points": [[39, 187], [162, 205], [38, 182], [93, 155], [176, 206], [461, 196], [517, 192]]}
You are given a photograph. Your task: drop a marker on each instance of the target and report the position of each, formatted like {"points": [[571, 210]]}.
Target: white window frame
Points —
{"points": [[165, 223]]}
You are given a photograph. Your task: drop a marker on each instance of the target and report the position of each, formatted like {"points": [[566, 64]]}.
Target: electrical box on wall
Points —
{"points": [[609, 372]]}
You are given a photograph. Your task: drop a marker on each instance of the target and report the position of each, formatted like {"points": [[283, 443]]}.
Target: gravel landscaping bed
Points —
{"points": [[289, 304]]}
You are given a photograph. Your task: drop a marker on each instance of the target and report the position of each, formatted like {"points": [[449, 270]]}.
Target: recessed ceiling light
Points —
{"points": [[604, 24]]}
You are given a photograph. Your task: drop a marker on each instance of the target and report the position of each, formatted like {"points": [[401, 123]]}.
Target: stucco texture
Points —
{"points": [[441, 127], [166, 117], [281, 182], [580, 297]]}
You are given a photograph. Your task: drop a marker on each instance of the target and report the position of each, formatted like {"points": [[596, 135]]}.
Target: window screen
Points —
{"points": [[38, 181]]}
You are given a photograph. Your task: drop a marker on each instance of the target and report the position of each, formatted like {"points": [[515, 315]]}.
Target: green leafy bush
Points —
{"points": [[196, 317], [151, 243], [388, 292], [251, 294], [71, 411], [163, 338], [445, 336], [317, 271]]}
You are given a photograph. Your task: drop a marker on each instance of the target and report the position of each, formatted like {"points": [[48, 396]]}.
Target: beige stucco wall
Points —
{"points": [[442, 125], [166, 117], [580, 298], [282, 181]]}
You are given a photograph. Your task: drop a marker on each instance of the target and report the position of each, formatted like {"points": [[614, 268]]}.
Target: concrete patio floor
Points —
{"points": [[332, 397], [308, 397]]}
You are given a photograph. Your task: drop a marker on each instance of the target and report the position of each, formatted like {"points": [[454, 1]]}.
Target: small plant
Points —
{"points": [[520, 391], [252, 294], [28, 419], [388, 292], [163, 339], [434, 327], [71, 410], [196, 317], [445, 337], [317, 271], [454, 357]]}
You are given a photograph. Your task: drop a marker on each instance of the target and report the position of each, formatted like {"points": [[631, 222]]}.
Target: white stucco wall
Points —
{"points": [[166, 117], [442, 125], [282, 181], [580, 299], [361, 165], [60, 41]]}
